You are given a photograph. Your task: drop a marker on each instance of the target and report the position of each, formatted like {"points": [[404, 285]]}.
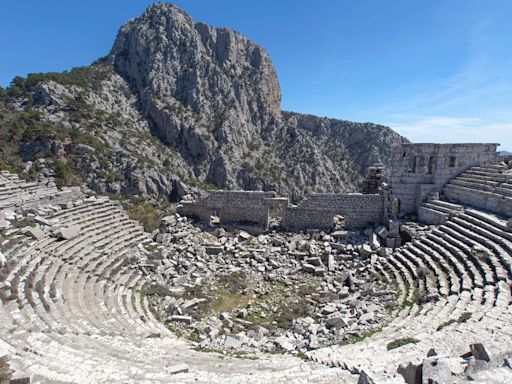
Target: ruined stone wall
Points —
{"points": [[318, 211], [230, 207], [418, 169]]}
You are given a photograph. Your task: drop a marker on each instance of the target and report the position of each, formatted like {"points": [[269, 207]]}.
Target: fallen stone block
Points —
{"points": [[316, 261], [20, 380], [233, 342], [182, 319], [35, 232], [479, 352], [364, 378], [331, 264], [68, 233], [244, 236], [382, 232], [390, 242], [442, 369], [66, 205], [285, 344], [410, 372], [308, 268], [394, 227], [337, 322], [374, 241], [41, 220], [385, 251], [340, 234], [365, 250], [213, 249]]}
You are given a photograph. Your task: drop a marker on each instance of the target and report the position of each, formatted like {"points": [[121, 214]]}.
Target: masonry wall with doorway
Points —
{"points": [[419, 169]]}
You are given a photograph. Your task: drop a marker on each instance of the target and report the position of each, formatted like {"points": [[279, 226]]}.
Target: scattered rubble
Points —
{"points": [[277, 291]]}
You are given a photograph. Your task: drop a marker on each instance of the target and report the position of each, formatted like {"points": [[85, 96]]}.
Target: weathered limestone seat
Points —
{"points": [[467, 264], [486, 187], [74, 310]]}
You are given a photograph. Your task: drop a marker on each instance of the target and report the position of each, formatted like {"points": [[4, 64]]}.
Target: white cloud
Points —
{"points": [[447, 129]]}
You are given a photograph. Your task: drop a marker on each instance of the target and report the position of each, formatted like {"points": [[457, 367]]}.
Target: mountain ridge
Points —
{"points": [[178, 105]]}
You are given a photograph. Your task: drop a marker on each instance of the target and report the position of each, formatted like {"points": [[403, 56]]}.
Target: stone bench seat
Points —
{"points": [[442, 280], [463, 254], [397, 278], [81, 208], [489, 241], [497, 227], [499, 177], [436, 246], [410, 281], [430, 282], [489, 201], [86, 212], [420, 284], [491, 266], [454, 280], [476, 181]]}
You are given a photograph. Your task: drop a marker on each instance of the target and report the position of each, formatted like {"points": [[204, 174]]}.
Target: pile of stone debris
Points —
{"points": [[478, 365], [272, 292]]}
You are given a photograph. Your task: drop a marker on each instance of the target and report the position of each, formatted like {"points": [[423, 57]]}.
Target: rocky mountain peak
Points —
{"points": [[179, 103], [168, 58]]}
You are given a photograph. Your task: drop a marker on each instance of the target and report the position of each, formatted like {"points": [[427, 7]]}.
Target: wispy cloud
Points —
{"points": [[448, 129], [474, 104]]}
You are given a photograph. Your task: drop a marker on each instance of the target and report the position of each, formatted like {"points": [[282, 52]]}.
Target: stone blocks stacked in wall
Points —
{"points": [[419, 169], [318, 211], [230, 206]]}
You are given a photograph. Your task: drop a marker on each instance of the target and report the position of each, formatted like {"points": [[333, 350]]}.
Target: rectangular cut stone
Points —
{"points": [[394, 227], [340, 234], [390, 242], [213, 249], [308, 268], [41, 220], [182, 319], [35, 232], [382, 232], [68, 233]]}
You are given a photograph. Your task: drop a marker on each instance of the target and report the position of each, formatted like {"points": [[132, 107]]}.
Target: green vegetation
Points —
{"points": [[170, 326], [84, 77], [65, 173], [462, 319], [352, 339], [145, 213], [274, 309], [401, 342]]}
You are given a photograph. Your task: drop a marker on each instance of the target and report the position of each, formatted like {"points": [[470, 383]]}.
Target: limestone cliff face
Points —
{"points": [[207, 91], [177, 102]]}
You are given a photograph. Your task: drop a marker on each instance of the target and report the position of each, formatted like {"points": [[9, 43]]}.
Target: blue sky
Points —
{"points": [[435, 71]]}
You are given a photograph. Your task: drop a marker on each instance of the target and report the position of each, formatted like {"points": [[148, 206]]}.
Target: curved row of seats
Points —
{"points": [[73, 311], [15, 192], [454, 288], [487, 187]]}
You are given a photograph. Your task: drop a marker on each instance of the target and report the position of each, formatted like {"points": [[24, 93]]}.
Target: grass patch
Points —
{"points": [[401, 342], [146, 214], [465, 316], [352, 339]]}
